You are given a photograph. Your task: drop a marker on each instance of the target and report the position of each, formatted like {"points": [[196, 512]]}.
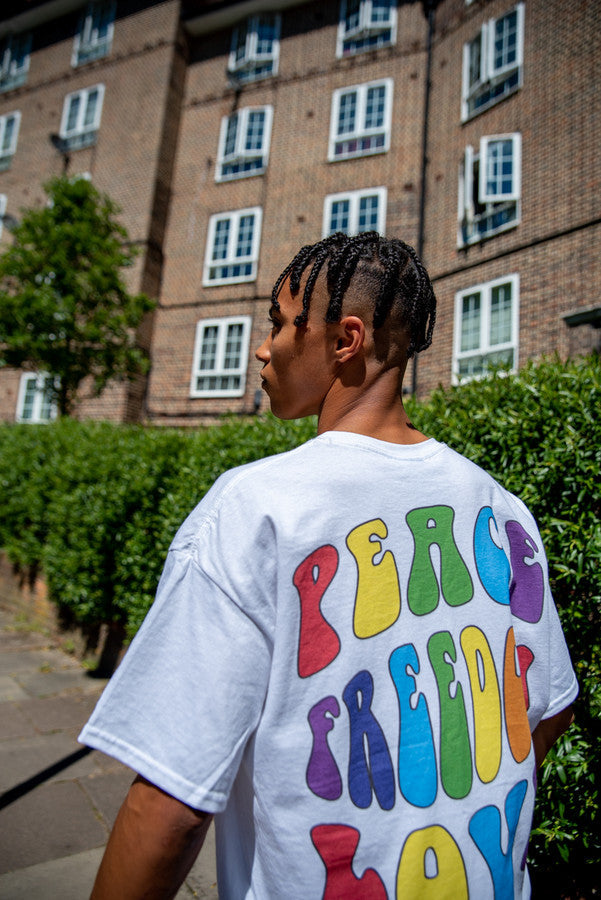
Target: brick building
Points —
{"points": [[231, 133]]}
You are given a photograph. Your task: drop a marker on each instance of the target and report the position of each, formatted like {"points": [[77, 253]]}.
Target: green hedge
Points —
{"points": [[97, 505], [539, 434]]}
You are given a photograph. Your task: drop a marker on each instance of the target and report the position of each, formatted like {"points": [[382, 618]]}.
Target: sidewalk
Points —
{"points": [[58, 800]]}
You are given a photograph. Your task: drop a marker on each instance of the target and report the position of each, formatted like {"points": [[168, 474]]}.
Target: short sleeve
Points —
{"points": [[189, 692], [543, 657]]}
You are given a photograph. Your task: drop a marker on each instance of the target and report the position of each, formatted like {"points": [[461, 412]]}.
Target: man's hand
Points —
{"points": [[152, 846], [548, 731]]}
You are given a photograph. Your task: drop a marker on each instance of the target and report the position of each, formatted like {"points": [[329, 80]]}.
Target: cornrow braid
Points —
{"points": [[400, 276]]}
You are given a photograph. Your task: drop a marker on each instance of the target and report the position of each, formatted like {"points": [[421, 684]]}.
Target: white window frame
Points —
{"points": [[354, 198], [7, 153], [254, 65], [361, 131], [219, 371], [88, 45], [234, 217], [491, 77], [485, 348], [36, 418], [14, 61], [241, 154], [358, 39], [494, 203], [82, 135]]}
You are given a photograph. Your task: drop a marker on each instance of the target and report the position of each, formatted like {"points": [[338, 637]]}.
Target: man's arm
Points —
{"points": [[548, 731], [152, 846]]}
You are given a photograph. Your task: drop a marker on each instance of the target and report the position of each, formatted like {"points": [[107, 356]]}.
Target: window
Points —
{"points": [[81, 117], [220, 357], [489, 188], [233, 247], [255, 48], [355, 212], [14, 60], [244, 143], [2, 211], [492, 62], [486, 327], [9, 132], [95, 34], [365, 25], [360, 121], [36, 403]]}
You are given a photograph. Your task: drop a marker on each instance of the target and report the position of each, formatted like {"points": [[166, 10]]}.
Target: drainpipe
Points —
{"points": [[429, 10]]}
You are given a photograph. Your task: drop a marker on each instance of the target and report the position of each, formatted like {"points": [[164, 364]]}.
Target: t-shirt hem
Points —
{"points": [[561, 702], [191, 794]]}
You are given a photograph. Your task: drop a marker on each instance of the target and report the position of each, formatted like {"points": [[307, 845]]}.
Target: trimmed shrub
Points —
{"points": [[539, 434]]}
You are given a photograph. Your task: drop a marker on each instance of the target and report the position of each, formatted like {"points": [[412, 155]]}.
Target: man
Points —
{"points": [[354, 659]]}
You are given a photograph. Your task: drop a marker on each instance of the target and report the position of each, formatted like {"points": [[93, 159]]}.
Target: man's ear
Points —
{"points": [[350, 338]]}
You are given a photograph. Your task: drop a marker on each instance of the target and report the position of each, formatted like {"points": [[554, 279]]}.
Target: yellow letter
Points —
{"points": [[378, 599]]}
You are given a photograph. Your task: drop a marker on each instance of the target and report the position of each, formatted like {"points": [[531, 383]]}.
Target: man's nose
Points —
{"points": [[262, 353]]}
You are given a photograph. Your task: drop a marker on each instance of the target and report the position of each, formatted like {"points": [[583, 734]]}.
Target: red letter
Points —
{"points": [[336, 844], [318, 643]]}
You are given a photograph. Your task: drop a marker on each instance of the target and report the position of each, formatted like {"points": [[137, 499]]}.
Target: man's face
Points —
{"points": [[298, 363]]}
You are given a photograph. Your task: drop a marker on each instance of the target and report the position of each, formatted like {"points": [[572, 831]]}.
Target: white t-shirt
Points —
{"points": [[332, 665]]}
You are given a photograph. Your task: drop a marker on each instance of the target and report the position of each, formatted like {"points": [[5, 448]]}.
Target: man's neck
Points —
{"points": [[374, 408]]}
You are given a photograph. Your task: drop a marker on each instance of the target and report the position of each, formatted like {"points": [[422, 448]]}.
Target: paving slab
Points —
{"points": [[24, 758], [58, 712], [45, 684], [67, 878], [11, 689], [14, 723], [50, 822], [107, 792]]}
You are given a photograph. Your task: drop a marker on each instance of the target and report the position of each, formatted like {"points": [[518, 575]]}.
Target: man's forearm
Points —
{"points": [[152, 846]]}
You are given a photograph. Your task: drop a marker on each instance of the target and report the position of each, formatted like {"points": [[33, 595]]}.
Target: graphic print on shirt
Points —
{"points": [[425, 753]]}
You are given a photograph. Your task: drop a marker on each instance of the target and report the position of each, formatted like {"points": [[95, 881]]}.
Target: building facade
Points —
{"points": [[233, 133]]}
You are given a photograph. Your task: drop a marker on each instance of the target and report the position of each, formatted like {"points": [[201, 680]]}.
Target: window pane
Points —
{"points": [[7, 137], [506, 36], [339, 218], [265, 35], [347, 113], [470, 322], [208, 350], [374, 111], [352, 18], [245, 236], [29, 399], [74, 104], [230, 135], [381, 12], [46, 404], [233, 346], [255, 130], [475, 61], [368, 213], [500, 314], [91, 105], [499, 168], [222, 232], [240, 42]]}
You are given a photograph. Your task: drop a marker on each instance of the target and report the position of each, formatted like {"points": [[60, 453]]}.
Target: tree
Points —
{"points": [[64, 307]]}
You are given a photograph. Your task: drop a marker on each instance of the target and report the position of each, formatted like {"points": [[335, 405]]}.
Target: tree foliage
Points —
{"points": [[64, 307]]}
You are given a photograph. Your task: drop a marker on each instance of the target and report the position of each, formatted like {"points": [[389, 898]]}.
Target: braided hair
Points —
{"points": [[400, 278]]}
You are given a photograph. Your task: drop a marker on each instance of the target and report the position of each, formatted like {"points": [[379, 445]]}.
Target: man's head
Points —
{"points": [[345, 312], [380, 278]]}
